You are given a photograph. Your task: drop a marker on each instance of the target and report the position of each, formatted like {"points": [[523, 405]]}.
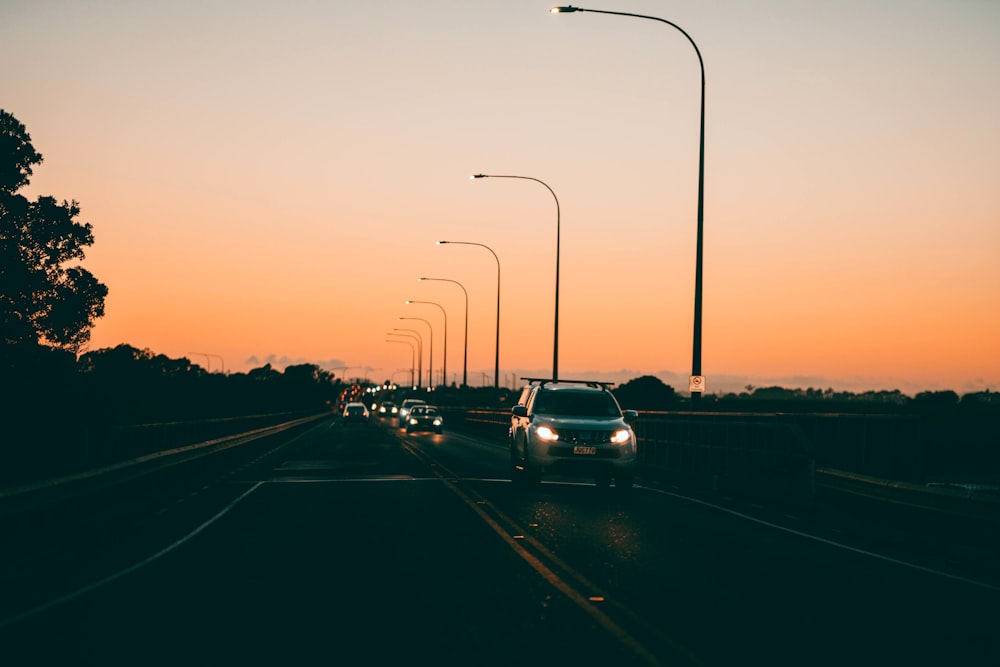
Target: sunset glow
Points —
{"points": [[267, 182]]}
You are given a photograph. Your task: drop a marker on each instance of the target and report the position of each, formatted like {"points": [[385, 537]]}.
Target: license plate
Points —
{"points": [[583, 449]]}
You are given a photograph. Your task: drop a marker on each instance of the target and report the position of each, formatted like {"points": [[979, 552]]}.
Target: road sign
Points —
{"points": [[696, 384]]}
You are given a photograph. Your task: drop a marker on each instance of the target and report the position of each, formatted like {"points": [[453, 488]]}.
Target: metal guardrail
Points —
{"points": [[955, 501], [67, 446], [47, 491], [733, 453], [741, 454], [738, 453], [766, 455]]}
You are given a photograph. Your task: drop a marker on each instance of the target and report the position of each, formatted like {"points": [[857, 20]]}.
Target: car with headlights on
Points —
{"points": [[572, 427], [424, 418], [404, 408], [355, 413], [387, 410]]}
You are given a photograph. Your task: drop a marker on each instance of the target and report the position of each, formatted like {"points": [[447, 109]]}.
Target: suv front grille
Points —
{"points": [[585, 437]]}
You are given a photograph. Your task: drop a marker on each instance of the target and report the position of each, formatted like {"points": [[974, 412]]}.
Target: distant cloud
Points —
{"points": [[281, 362]]}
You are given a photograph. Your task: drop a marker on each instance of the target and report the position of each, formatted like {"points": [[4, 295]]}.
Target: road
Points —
{"points": [[359, 544]]}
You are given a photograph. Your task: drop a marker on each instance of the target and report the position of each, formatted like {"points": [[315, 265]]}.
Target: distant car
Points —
{"points": [[424, 418], [405, 406], [572, 426], [388, 410], [355, 412]]}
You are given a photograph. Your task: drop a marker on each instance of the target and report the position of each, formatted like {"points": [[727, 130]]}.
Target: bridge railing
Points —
{"points": [[51, 450], [788, 458], [175, 448], [743, 454]]}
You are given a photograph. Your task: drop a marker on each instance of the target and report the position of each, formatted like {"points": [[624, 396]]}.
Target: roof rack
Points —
{"points": [[589, 383]]}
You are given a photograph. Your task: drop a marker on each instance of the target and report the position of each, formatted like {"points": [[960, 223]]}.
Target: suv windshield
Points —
{"points": [[576, 404]]}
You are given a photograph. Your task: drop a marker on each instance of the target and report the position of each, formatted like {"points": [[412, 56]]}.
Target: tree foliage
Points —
{"points": [[131, 385], [45, 298], [646, 393], [19, 154]]}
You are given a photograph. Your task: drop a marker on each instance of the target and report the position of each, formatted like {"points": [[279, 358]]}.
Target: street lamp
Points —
{"points": [[444, 364], [392, 378], [465, 347], [697, 383], [496, 361], [413, 353], [345, 369], [430, 361], [208, 358], [555, 337], [420, 349]]}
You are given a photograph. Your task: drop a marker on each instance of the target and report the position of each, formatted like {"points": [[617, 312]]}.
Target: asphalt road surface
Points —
{"points": [[359, 544]]}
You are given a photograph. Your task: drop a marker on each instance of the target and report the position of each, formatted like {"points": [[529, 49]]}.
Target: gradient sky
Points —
{"points": [[267, 181]]}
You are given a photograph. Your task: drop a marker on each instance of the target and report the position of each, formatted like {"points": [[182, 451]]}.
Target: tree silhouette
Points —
{"points": [[44, 302], [646, 393]]}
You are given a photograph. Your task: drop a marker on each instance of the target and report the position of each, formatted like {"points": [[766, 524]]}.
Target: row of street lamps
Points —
{"points": [[696, 384], [465, 356], [465, 353]]}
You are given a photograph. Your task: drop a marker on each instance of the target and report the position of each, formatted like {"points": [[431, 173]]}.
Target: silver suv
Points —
{"points": [[571, 426]]}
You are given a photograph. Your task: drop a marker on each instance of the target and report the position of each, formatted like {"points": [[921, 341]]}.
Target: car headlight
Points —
{"points": [[413, 421], [437, 422], [546, 433], [621, 436]]}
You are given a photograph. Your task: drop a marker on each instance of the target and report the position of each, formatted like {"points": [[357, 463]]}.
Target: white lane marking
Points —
{"points": [[132, 568], [346, 480], [816, 538], [823, 540]]}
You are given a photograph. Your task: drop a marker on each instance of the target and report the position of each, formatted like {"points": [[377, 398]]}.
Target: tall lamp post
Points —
{"points": [[345, 369], [208, 357], [697, 382], [420, 350], [496, 355], [555, 336], [430, 346], [444, 363], [465, 346], [413, 354]]}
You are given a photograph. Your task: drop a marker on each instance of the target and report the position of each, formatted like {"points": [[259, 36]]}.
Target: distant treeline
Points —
{"points": [[649, 393], [128, 385]]}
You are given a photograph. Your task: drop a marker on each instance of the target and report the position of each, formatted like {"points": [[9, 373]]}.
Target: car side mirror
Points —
{"points": [[630, 416], [519, 411]]}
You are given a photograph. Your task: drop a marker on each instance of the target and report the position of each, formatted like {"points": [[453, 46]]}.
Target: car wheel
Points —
{"points": [[532, 474], [521, 472], [516, 471]]}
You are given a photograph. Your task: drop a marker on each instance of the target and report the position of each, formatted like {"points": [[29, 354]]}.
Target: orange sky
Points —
{"points": [[267, 183]]}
